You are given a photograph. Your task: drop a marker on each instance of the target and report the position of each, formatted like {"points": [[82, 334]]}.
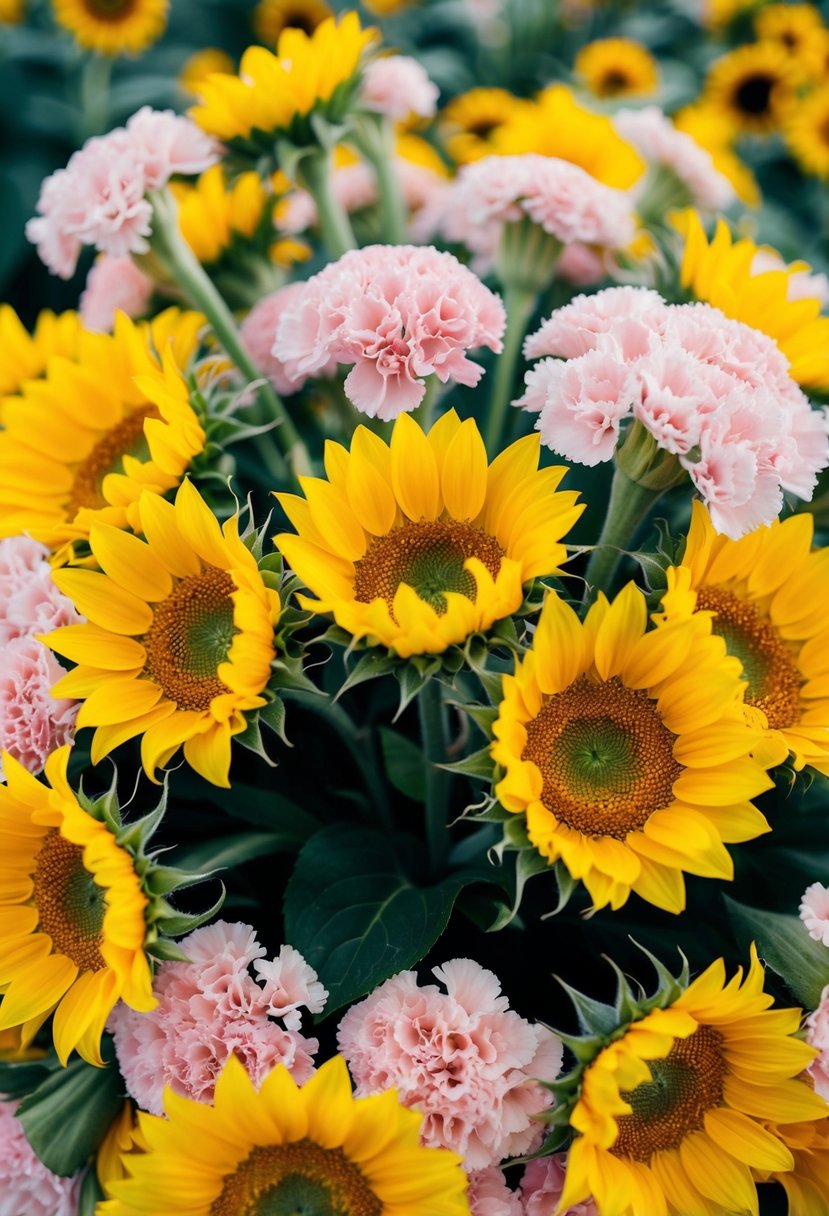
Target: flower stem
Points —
{"points": [[628, 506], [196, 285], [316, 171], [519, 304], [433, 733], [374, 138], [96, 74]]}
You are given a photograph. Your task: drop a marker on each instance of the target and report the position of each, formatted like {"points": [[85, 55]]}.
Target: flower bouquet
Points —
{"points": [[414, 698]]}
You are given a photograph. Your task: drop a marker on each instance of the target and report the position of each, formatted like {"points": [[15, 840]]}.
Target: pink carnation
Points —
{"points": [[30, 602], [32, 722], [713, 391], [290, 984], [27, 1187], [814, 912], [817, 1036], [211, 1008], [542, 1185], [489, 1194], [656, 137], [99, 199], [114, 285], [560, 197], [461, 1057], [398, 86], [396, 314], [258, 334]]}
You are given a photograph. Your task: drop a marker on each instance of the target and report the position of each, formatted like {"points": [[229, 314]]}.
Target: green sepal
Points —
{"points": [[595, 1017], [137, 834], [175, 924], [478, 765], [70, 1112], [272, 715], [166, 951], [251, 739], [91, 1194], [163, 880]]}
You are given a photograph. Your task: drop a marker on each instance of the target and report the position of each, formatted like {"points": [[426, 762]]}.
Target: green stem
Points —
{"points": [[191, 277], [519, 304], [628, 506], [374, 138], [316, 171], [96, 74], [433, 732]]}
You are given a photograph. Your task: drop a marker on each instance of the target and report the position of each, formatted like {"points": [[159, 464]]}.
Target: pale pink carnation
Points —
{"points": [[817, 1036], [27, 1187], [209, 1009], [399, 87], [30, 602], [462, 1058], [713, 391], [114, 285], [32, 722], [559, 196], [489, 1194], [542, 1185], [355, 188], [258, 334], [396, 314], [661, 144], [583, 266], [99, 199], [289, 985], [814, 912]]}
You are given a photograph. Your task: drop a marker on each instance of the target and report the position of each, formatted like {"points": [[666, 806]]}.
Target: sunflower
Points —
{"points": [[807, 133], [794, 26], [720, 273], [710, 128], [807, 1185], [753, 86], [179, 639], [419, 544], [628, 751], [211, 212], [671, 1117], [617, 67], [271, 17], [202, 64], [12, 12], [73, 939], [113, 27], [764, 593], [288, 1149], [82, 443], [470, 120], [309, 72], [25, 354], [556, 125]]}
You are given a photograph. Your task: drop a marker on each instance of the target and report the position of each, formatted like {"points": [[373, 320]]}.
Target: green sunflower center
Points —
{"points": [[428, 556], [774, 681], [753, 95], [301, 1179], [190, 637], [124, 439], [672, 1105], [70, 904], [605, 756]]}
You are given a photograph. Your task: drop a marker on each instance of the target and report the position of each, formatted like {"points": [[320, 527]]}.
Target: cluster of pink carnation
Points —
{"points": [[114, 285], [817, 1036], [539, 1194], [814, 912], [257, 334], [560, 197], [32, 722], [355, 188], [27, 1187], [713, 391], [211, 1008], [662, 145], [463, 1058], [99, 199], [399, 87], [396, 314]]}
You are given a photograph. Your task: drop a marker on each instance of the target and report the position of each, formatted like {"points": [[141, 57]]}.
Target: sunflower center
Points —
{"points": [[109, 10], [605, 756], [614, 81], [301, 1179], [773, 678], [428, 556], [69, 902], [483, 126], [753, 95], [672, 1105], [190, 636], [124, 439]]}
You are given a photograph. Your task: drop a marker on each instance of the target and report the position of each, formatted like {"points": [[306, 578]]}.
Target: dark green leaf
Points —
{"points": [[228, 851], [405, 764], [787, 948]]}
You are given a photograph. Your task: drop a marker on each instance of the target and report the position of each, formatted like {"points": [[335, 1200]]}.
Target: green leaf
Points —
{"points": [[225, 852], [787, 947], [405, 764], [70, 1112], [20, 1077], [355, 913]]}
